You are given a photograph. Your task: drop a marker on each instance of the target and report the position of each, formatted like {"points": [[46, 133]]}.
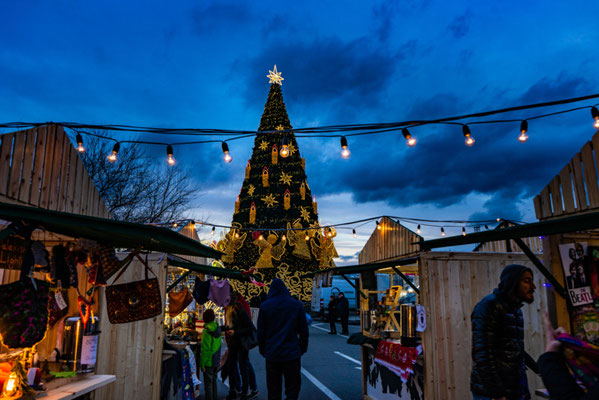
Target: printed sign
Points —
{"points": [[421, 318], [12, 250], [574, 263], [89, 349]]}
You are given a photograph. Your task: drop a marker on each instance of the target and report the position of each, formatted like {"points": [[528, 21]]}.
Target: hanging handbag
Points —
{"points": [[178, 301], [133, 301]]}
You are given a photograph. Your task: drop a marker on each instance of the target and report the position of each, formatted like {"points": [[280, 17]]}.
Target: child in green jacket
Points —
{"points": [[210, 353]]}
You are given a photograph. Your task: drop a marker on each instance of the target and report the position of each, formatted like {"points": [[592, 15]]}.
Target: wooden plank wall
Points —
{"points": [[535, 244], [450, 286], [393, 240], [133, 351], [40, 167], [575, 189]]}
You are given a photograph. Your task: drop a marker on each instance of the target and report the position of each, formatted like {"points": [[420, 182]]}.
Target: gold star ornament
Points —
{"points": [[263, 145], [285, 178], [251, 190], [274, 76], [305, 214], [269, 200], [291, 148]]}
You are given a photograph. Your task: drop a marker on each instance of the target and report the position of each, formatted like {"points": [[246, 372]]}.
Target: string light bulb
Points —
{"points": [[463, 231], [284, 152], [80, 147], [236, 235], [410, 140], [193, 224], [418, 231], [169, 154], [307, 237], [378, 226], [227, 157], [115, 150], [175, 224], [283, 237], [595, 114], [468, 135], [345, 153], [212, 231], [354, 233], [523, 129], [442, 231], [486, 227]]}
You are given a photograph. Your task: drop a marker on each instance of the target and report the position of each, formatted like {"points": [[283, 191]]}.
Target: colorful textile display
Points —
{"points": [[220, 292], [583, 359], [201, 291], [397, 358]]}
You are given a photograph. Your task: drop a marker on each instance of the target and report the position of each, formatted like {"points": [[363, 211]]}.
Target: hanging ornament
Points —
{"points": [[232, 242], [314, 205], [269, 201], [251, 190], [268, 251], [303, 191], [325, 250], [275, 154], [285, 178], [305, 214], [297, 239], [237, 205], [265, 177], [263, 145], [248, 168], [303, 163], [287, 200], [83, 304], [253, 213]]}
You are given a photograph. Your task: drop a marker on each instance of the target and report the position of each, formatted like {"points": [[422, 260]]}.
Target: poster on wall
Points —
{"points": [[574, 264]]}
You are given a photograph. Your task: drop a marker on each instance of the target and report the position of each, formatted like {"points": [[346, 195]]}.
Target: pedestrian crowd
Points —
{"points": [[281, 338]]}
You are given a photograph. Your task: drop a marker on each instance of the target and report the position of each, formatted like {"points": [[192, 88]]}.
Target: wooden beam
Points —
{"points": [[354, 286], [558, 288], [405, 278]]}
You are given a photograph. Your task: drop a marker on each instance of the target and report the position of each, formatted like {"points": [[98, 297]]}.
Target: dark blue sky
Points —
{"points": [[204, 64]]}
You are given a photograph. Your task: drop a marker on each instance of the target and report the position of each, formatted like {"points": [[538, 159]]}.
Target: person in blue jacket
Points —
{"points": [[282, 340]]}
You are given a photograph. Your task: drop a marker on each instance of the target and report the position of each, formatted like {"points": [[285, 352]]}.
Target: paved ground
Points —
{"points": [[330, 368]]}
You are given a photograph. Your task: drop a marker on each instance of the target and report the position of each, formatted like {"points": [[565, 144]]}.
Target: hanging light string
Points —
{"points": [[353, 225]]}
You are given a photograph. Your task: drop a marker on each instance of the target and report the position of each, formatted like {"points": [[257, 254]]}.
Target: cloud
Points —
{"points": [[219, 17], [384, 15], [503, 204], [460, 26], [561, 87]]}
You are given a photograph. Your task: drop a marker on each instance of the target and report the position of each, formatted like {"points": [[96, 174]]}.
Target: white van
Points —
{"points": [[321, 296]]}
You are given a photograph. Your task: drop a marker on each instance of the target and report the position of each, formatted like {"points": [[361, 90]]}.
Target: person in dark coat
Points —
{"points": [[282, 340], [498, 356], [332, 315], [343, 312]]}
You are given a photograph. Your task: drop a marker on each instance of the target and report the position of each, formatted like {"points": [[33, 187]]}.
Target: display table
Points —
{"points": [[77, 388]]}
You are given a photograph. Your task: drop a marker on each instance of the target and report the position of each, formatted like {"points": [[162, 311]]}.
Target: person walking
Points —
{"points": [[498, 356], [238, 326], [210, 354], [282, 340], [333, 315], [343, 313]]}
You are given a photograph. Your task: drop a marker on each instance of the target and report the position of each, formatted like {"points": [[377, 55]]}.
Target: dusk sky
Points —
{"points": [[203, 64]]}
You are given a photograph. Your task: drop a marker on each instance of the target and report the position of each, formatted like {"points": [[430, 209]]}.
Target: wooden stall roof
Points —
{"points": [[575, 189], [106, 231], [390, 240], [356, 269], [535, 244], [40, 167], [567, 224]]}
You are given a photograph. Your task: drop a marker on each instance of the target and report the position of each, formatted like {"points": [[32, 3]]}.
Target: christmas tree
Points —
{"points": [[275, 223]]}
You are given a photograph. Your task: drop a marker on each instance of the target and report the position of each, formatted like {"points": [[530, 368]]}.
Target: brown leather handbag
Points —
{"points": [[133, 301], [178, 301]]}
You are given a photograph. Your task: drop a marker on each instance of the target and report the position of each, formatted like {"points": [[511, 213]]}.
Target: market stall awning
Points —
{"points": [[209, 270], [107, 231], [574, 223], [359, 268]]}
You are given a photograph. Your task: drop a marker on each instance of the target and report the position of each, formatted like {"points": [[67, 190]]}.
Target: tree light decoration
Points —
{"points": [[523, 129], [80, 147], [345, 153], [115, 150], [11, 386], [410, 140], [285, 147], [274, 76], [169, 153], [467, 135], [227, 157], [595, 114]]}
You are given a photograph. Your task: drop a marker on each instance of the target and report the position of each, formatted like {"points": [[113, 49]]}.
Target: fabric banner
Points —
{"points": [[397, 358]]}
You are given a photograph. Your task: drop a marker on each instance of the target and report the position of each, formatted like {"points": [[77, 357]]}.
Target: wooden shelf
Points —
{"points": [[77, 388]]}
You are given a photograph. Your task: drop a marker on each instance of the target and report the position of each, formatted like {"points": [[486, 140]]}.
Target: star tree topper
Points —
{"points": [[274, 76]]}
